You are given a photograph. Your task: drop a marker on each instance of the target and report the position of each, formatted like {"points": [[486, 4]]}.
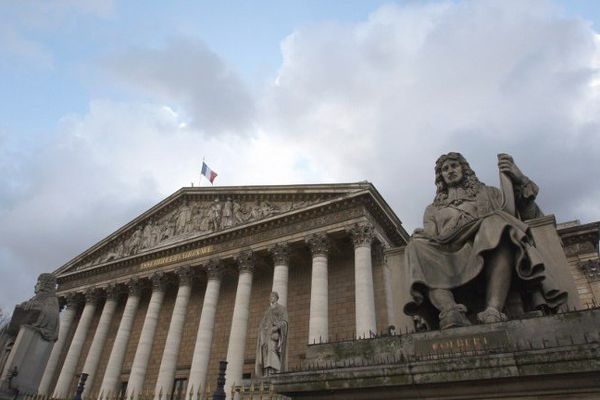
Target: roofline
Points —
{"points": [[255, 189], [591, 226]]}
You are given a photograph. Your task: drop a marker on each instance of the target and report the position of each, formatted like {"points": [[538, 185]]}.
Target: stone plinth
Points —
{"points": [[548, 242], [29, 355], [545, 356]]}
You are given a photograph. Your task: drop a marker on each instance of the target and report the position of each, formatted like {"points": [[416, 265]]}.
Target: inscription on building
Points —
{"points": [[462, 343], [175, 258]]}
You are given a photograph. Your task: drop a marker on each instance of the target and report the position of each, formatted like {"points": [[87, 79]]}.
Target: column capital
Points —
{"points": [[112, 292], [246, 261], [280, 253], [92, 295], [134, 287], [214, 269], [319, 244], [71, 300], [159, 281], [362, 234], [185, 275]]}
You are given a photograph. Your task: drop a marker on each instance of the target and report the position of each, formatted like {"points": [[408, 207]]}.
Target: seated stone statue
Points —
{"points": [[41, 312], [41, 315], [472, 252], [272, 339]]}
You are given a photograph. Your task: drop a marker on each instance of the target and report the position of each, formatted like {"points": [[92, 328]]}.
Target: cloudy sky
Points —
{"points": [[107, 107]]}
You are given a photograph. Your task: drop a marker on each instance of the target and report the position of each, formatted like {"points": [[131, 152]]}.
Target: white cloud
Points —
{"points": [[188, 72], [377, 100], [416, 81]]}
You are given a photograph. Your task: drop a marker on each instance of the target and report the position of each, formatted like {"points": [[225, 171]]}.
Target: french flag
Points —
{"points": [[208, 173]]}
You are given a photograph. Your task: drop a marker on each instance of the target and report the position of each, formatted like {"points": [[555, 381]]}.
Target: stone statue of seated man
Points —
{"points": [[472, 250], [28, 339]]}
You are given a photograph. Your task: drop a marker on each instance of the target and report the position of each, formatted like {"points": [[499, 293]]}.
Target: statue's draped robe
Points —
{"points": [[271, 346], [450, 251], [47, 322], [44, 318]]}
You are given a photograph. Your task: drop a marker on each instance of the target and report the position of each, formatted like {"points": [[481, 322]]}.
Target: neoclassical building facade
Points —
{"points": [[156, 305]]}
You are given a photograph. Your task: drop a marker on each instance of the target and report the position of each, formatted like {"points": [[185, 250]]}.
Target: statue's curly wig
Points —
{"points": [[470, 182], [47, 281]]}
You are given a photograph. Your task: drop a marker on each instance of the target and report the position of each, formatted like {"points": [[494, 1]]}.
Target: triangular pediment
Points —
{"points": [[196, 212]]}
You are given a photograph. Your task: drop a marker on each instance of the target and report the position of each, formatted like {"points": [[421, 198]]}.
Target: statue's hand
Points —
{"points": [[507, 165]]}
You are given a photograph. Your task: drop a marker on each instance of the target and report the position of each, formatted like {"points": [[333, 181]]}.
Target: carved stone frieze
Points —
{"points": [[362, 234], [190, 218], [233, 240], [319, 244], [280, 253]]}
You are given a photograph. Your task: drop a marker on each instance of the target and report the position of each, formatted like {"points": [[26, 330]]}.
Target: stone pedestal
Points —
{"points": [[29, 355], [548, 242]]}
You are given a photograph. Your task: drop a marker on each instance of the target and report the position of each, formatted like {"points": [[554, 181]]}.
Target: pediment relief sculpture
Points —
{"points": [[191, 218]]}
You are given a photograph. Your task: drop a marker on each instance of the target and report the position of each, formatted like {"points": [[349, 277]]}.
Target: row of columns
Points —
{"points": [[319, 244]]}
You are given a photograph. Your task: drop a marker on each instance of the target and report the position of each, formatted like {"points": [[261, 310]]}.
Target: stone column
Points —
{"points": [[144, 347], [239, 323], [280, 253], [206, 326], [112, 375], [318, 322], [168, 364], [97, 346], [389, 297], [65, 326], [362, 236], [67, 373]]}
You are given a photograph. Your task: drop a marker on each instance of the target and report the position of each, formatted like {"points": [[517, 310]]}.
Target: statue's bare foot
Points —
{"points": [[454, 317], [491, 315]]}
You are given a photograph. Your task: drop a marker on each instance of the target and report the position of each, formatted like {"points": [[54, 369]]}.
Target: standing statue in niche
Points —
{"points": [[272, 339], [473, 249]]}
